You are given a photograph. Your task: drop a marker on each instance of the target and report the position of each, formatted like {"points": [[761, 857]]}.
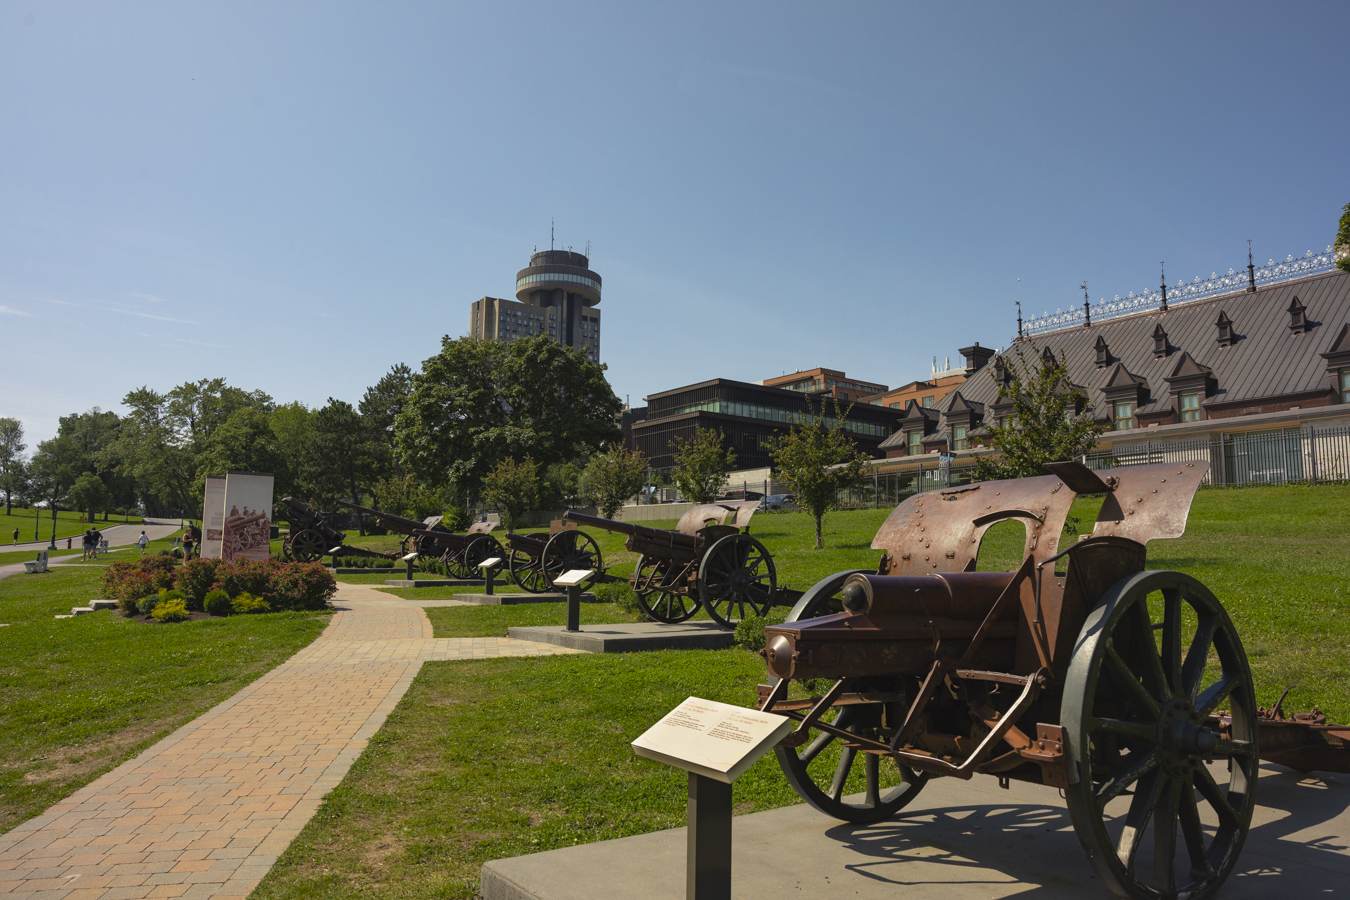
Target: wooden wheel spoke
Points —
{"points": [[1154, 676], [1193, 669], [1132, 770], [1136, 820], [872, 769], [813, 749], [1171, 639], [1216, 693], [1214, 796], [841, 772], [1194, 834], [1131, 683], [1139, 731], [1165, 837], [1234, 748]]}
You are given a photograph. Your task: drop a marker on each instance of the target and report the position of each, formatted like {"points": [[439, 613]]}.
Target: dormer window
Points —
{"points": [[1189, 401], [1298, 317], [1048, 357], [1103, 352], [1124, 415], [960, 441], [1159, 342], [914, 441], [1225, 326], [1000, 370], [1345, 385]]}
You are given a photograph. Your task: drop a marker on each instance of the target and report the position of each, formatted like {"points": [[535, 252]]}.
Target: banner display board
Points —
{"points": [[213, 517], [248, 516]]}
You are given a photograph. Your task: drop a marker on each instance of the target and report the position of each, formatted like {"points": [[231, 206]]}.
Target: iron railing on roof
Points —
{"points": [[1236, 280]]}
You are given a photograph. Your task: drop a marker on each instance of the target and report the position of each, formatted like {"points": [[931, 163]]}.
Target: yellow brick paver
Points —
{"points": [[205, 812]]}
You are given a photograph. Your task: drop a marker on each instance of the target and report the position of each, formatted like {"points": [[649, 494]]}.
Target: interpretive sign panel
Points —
{"points": [[716, 740], [213, 517], [248, 516]]}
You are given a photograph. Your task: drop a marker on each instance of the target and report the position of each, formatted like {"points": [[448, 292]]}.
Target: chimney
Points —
{"points": [[976, 357]]}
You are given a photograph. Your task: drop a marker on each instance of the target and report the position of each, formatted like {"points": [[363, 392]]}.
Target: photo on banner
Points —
{"points": [[247, 530], [213, 517]]}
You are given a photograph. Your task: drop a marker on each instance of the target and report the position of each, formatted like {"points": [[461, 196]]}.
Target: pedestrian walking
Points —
{"points": [[187, 545], [142, 541], [16, 537], [85, 545], [95, 537]]}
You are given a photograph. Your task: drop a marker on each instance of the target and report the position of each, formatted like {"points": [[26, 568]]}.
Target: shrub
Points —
{"points": [[196, 578], [300, 586], [171, 611], [750, 630], [146, 605], [132, 579], [247, 603], [217, 603], [247, 576]]}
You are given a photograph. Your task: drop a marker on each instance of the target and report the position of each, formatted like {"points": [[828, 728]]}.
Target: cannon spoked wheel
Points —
{"points": [[526, 571], [736, 574], [1140, 687], [483, 547], [651, 584], [570, 550], [307, 545]]}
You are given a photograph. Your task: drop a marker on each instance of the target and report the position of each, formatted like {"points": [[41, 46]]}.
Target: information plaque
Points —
{"points": [[716, 740]]}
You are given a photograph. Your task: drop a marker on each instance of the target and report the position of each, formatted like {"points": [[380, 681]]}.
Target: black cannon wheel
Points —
{"points": [[569, 550], [736, 574], [526, 571], [308, 545], [1142, 683], [651, 584], [481, 548]]}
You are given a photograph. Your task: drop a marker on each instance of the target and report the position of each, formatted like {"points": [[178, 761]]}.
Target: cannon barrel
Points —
{"points": [[303, 508], [396, 523], [662, 535]]}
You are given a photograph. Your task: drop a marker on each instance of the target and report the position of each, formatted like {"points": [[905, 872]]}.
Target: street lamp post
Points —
{"points": [[52, 546]]}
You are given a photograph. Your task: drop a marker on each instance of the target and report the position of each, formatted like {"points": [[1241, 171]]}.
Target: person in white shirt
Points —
{"points": [[141, 542]]}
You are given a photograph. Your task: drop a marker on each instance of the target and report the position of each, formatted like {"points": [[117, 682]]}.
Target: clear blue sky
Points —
{"points": [[296, 196]]}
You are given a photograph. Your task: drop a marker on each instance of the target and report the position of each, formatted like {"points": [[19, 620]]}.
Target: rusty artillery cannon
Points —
{"points": [[707, 562], [534, 560], [1081, 670], [461, 553], [312, 536]]}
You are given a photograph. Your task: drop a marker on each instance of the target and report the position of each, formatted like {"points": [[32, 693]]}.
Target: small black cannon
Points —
{"points": [[534, 560], [312, 536], [707, 561], [461, 553]]}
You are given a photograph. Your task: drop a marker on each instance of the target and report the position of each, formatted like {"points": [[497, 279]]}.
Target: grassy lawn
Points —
{"points": [[78, 696], [67, 523], [496, 758]]}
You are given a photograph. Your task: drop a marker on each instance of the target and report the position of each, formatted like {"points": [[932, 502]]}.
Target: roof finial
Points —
{"points": [[1019, 316], [1162, 266], [550, 234], [1251, 270], [1087, 310]]}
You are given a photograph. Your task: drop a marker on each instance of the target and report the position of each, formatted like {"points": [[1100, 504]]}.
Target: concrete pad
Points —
{"points": [[512, 599], [440, 582], [957, 841], [102, 604], [80, 610], [622, 638]]}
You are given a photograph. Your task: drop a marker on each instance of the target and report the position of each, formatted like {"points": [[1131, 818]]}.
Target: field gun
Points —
{"points": [[708, 561], [1081, 670], [312, 536], [461, 553], [534, 560]]}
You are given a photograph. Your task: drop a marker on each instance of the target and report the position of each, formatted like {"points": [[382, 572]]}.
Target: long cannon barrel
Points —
{"points": [[395, 523], [659, 535]]}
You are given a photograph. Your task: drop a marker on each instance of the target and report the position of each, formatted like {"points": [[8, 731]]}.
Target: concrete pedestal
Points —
{"points": [[958, 840], [439, 582], [513, 599], [627, 637]]}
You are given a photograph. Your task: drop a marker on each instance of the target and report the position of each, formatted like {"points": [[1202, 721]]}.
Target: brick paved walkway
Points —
{"points": [[206, 811]]}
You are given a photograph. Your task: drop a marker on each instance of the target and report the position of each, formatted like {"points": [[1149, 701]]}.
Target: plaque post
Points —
{"points": [[572, 581], [489, 568], [410, 559], [708, 862]]}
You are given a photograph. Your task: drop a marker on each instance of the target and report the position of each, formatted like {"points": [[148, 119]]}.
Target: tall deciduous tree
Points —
{"points": [[614, 476], [1046, 425], [380, 408], [56, 466], [513, 487], [477, 403], [702, 465], [11, 459], [820, 460], [90, 495], [337, 461]]}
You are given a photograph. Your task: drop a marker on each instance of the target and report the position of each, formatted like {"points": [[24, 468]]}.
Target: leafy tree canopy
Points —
{"points": [[702, 465], [819, 460], [513, 487], [12, 469], [614, 476], [477, 403], [90, 495], [1046, 424], [1343, 240]]}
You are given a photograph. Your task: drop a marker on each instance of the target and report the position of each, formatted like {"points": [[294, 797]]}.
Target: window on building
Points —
{"points": [[1190, 406], [1345, 385], [915, 446], [959, 439], [1124, 418], [927, 401], [897, 405]]}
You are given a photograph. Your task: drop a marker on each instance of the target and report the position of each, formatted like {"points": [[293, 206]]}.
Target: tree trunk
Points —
{"points": [[819, 542]]}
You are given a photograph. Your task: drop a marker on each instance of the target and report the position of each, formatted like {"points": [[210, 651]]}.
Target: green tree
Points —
{"points": [[56, 466], [513, 487], [1045, 426], [820, 460], [90, 433], [614, 476], [380, 408], [702, 465], [244, 442], [337, 459], [90, 495], [561, 483], [11, 459], [1343, 241], [477, 403]]}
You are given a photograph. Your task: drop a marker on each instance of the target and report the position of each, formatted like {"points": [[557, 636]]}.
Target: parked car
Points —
{"points": [[779, 501], [741, 495]]}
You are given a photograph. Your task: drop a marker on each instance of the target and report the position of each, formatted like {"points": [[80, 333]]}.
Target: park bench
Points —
{"points": [[38, 565]]}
